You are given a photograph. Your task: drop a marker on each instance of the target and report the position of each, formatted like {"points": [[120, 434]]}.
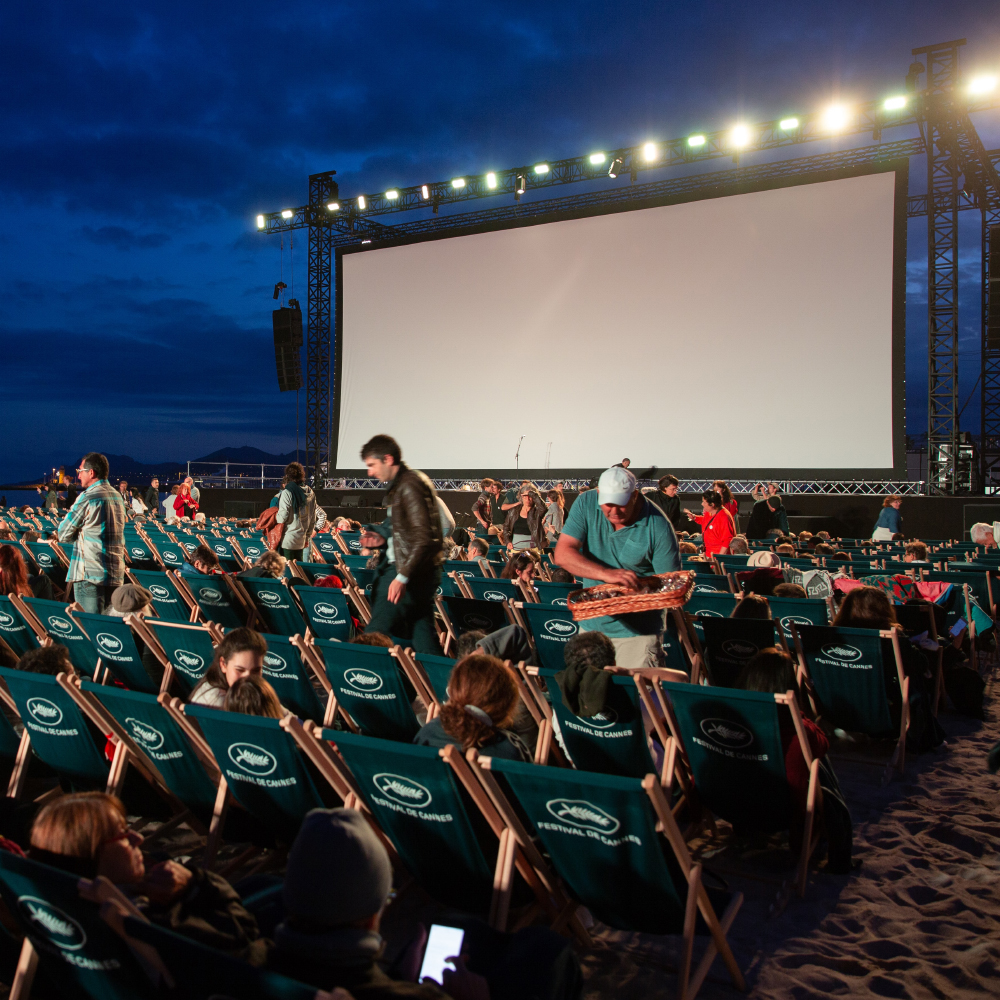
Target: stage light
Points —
{"points": [[522, 183], [740, 136], [287, 213], [541, 168], [424, 193], [696, 140], [650, 152], [835, 117], [334, 206], [458, 182], [260, 221], [366, 241], [617, 166], [597, 158], [392, 195], [491, 180], [982, 84], [788, 124], [362, 204], [894, 103]]}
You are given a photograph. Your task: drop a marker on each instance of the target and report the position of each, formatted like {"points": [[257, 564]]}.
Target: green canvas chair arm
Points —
{"points": [[198, 742], [463, 588], [451, 636], [417, 676], [32, 620], [313, 661], [184, 589]]}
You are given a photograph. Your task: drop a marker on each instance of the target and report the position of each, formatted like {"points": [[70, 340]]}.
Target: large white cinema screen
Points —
{"points": [[745, 332]]}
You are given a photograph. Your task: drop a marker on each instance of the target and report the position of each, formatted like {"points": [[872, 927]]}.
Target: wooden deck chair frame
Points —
{"points": [[237, 550], [182, 589], [691, 648], [138, 625], [313, 662], [353, 588], [898, 759], [417, 676], [689, 981], [19, 773]]}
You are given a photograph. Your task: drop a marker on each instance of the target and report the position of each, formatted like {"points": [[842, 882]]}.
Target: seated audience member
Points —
{"points": [[520, 568], [790, 590], [822, 549], [752, 606], [239, 655], [13, 573], [52, 660], [717, 525], [252, 695], [479, 548], [129, 599], [584, 682], [738, 546], [269, 564], [915, 552], [870, 607], [337, 885], [482, 702], [785, 549], [825, 535], [560, 575], [203, 562], [373, 639], [840, 554], [86, 833], [764, 575], [982, 534], [686, 548]]}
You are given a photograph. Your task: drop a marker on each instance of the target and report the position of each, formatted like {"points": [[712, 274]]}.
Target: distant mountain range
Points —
{"points": [[126, 467]]}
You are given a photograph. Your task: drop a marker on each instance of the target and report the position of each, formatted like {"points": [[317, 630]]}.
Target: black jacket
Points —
{"points": [[416, 522], [671, 507], [761, 521]]}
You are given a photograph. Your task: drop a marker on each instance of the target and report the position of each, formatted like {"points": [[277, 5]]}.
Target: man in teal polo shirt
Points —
{"points": [[615, 535]]}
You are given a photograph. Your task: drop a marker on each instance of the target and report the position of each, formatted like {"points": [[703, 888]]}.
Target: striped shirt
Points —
{"points": [[96, 523]]}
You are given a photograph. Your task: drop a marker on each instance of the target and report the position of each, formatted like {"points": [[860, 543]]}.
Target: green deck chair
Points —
{"points": [[188, 649], [466, 614], [55, 618], [980, 585], [600, 832], [156, 733], [788, 611], [438, 671], [551, 628], [554, 593], [612, 742], [286, 673], [732, 741], [462, 568], [730, 643], [252, 549], [14, 630], [368, 684], [707, 583], [327, 612], [113, 642], [314, 570], [173, 555], [58, 729], [353, 562], [485, 589], [262, 766], [48, 561], [706, 604], [275, 606], [167, 600], [140, 554], [78, 954], [216, 601], [227, 558], [328, 548]]}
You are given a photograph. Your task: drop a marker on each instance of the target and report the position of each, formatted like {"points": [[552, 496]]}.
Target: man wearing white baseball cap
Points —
{"points": [[615, 535]]}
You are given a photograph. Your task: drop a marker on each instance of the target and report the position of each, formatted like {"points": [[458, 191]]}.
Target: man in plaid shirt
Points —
{"points": [[96, 523]]}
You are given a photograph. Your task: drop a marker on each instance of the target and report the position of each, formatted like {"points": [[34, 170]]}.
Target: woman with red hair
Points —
{"points": [[13, 573]]}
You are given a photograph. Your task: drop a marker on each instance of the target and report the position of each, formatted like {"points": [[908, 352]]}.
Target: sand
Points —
{"points": [[919, 918]]}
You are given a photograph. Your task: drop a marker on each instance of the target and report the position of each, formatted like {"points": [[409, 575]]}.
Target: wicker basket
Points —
{"points": [[620, 601]]}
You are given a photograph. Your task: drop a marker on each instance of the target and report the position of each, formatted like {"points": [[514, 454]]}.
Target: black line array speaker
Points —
{"points": [[993, 293], [287, 323]]}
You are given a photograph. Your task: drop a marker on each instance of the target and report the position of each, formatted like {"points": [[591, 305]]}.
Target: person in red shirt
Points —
{"points": [[728, 503], [717, 526], [183, 504]]}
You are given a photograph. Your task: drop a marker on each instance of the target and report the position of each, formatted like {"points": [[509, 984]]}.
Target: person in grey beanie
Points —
{"points": [[336, 886]]}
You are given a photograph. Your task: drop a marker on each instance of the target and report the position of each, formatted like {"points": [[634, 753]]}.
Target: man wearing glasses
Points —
{"points": [[96, 524]]}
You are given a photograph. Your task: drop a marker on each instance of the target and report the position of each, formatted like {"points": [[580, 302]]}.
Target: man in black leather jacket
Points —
{"points": [[409, 575]]}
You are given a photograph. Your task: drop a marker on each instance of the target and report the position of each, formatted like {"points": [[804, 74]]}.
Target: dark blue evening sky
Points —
{"points": [[139, 141]]}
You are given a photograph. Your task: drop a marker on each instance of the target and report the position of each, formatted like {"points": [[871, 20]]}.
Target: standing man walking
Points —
{"points": [[96, 524], [152, 498], [614, 535], [403, 592], [296, 511]]}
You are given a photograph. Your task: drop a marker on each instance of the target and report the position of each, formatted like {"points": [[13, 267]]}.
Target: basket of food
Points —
{"points": [[665, 590]]}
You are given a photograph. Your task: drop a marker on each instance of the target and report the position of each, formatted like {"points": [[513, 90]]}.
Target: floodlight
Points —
{"points": [[617, 166], [522, 183], [491, 180], [366, 241], [982, 84], [361, 201], [392, 195], [740, 136], [894, 103], [788, 124], [287, 213], [541, 168], [334, 206], [696, 140], [458, 182], [597, 158], [835, 117], [260, 221], [424, 192], [650, 152]]}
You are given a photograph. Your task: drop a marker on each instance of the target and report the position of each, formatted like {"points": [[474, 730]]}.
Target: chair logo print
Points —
{"points": [[274, 664], [739, 649], [603, 720], [788, 621], [439, 592], [325, 610], [562, 602], [726, 734], [159, 591], [252, 550], [704, 588], [144, 734], [170, 557], [268, 597], [52, 923], [476, 621], [354, 543], [60, 624], [220, 549], [110, 643], [6, 620], [362, 680], [137, 551], [711, 614], [405, 791], [188, 663], [494, 595], [210, 594], [842, 652], [45, 712], [252, 759], [190, 546], [560, 629], [44, 559], [583, 815]]}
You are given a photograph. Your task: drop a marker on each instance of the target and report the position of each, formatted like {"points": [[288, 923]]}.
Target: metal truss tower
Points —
{"points": [[990, 441]]}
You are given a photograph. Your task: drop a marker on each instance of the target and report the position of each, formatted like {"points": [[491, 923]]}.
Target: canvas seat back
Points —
{"points": [[551, 627]]}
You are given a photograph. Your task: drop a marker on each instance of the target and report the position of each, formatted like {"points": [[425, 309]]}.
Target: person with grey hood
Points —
{"points": [[296, 511]]}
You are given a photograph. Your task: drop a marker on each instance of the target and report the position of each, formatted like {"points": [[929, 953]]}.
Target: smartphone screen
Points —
{"points": [[442, 943], [958, 628]]}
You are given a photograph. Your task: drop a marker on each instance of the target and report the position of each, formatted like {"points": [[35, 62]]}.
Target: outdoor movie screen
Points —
{"points": [[749, 333]]}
